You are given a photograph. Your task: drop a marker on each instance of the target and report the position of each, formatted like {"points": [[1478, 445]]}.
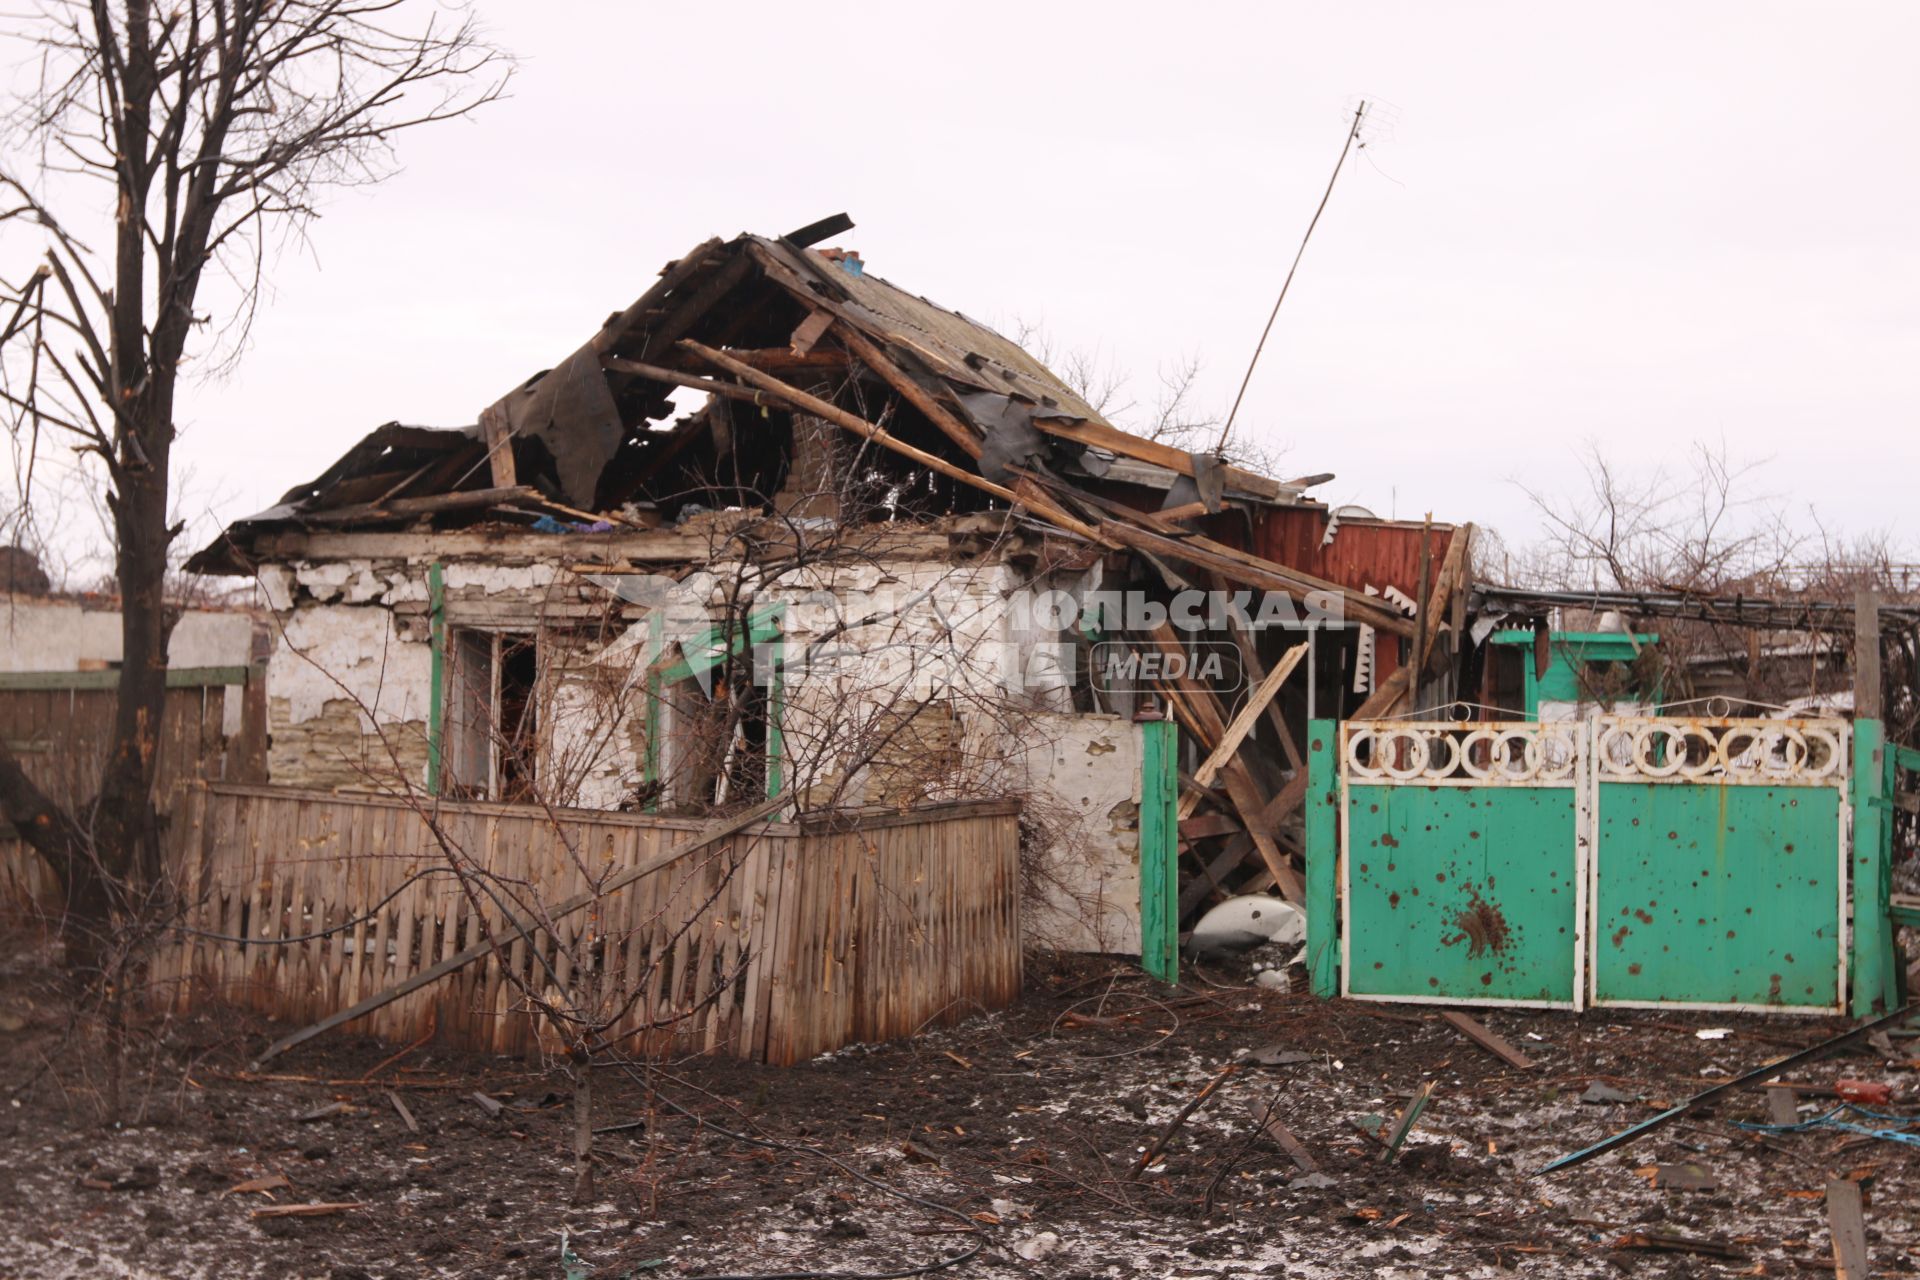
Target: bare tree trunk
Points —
{"points": [[582, 1127]]}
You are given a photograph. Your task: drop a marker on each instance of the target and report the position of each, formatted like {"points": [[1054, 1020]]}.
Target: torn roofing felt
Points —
{"points": [[580, 437]]}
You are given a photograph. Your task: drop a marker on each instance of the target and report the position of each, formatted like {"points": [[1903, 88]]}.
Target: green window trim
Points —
{"points": [[436, 688], [702, 654]]}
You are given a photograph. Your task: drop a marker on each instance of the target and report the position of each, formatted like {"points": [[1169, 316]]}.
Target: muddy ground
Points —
{"points": [[1009, 1137]]}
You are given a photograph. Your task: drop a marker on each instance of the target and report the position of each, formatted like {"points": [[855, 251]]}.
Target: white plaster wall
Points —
{"points": [[59, 635], [951, 630], [330, 652], [1083, 894]]}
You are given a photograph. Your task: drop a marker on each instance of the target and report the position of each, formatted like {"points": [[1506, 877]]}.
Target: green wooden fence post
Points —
{"points": [[436, 686], [1160, 849], [1872, 961], [1323, 858]]}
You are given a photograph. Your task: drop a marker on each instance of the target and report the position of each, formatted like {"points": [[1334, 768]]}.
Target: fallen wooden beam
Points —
{"points": [[1203, 705], [1252, 571], [1236, 733], [912, 392], [406, 1116], [711, 834], [1478, 1032], [833, 413], [1267, 1117], [1159, 1144], [1849, 1229], [305, 1210], [1208, 825], [398, 508]]}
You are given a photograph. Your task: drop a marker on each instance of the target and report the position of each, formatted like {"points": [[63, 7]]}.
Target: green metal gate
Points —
{"points": [[1719, 872], [1609, 861]]}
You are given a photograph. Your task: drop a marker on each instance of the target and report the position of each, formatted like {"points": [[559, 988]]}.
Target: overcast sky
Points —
{"points": [[1646, 224]]}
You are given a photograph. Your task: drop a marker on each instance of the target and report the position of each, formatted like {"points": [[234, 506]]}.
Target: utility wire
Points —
{"points": [[1353, 132]]}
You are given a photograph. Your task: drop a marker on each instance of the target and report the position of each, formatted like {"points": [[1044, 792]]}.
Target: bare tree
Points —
{"points": [[1703, 529], [1171, 415], [195, 138]]}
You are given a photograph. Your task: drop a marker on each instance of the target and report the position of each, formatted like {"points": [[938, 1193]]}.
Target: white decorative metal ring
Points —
{"points": [[1384, 754], [1643, 739], [1464, 750]]}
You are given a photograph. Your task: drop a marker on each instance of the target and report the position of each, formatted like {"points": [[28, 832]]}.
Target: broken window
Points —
{"points": [[491, 716], [717, 740]]}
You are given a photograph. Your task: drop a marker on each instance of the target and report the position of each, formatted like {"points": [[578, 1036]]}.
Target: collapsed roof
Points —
{"points": [[965, 418]]}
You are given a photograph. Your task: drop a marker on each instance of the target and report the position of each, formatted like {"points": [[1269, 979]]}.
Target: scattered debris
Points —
{"points": [[1901, 1133], [1713, 1033], [321, 1113], [1870, 1093], [315, 1210], [1036, 1247], [260, 1186], [1274, 1056], [1757, 1075], [1477, 1032], [1674, 1242], [1783, 1104], [406, 1116], [1267, 1116], [1408, 1116], [492, 1106], [1152, 1153], [1679, 1177], [142, 1177], [1600, 1092]]}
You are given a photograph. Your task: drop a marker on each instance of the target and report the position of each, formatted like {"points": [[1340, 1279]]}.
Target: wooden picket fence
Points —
{"points": [[59, 725], [777, 943]]}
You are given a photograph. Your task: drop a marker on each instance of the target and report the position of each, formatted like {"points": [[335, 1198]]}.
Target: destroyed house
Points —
{"points": [[783, 528]]}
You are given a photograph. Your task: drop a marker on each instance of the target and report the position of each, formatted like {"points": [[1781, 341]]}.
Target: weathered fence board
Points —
{"points": [[779, 942], [59, 725]]}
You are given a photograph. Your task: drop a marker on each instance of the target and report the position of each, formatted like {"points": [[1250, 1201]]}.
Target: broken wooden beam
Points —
{"points": [[1235, 733], [1267, 1117], [1203, 706], [1409, 1116], [400, 508], [1252, 571], [912, 392], [317, 1210], [1207, 826], [1494, 1044], [406, 1116], [879, 435], [1198, 1100], [1849, 1228]]}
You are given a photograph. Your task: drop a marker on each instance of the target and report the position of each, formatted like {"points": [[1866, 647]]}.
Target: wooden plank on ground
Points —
{"points": [[1849, 1229], [1478, 1032], [1268, 1118]]}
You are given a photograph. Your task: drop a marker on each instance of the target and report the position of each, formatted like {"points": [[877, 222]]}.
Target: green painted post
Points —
{"points": [[1872, 962], [776, 693], [655, 645], [436, 684], [1323, 858], [1159, 849]]}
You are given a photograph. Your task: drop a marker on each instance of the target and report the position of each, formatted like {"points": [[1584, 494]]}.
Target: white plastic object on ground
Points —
{"points": [[1241, 923]]}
